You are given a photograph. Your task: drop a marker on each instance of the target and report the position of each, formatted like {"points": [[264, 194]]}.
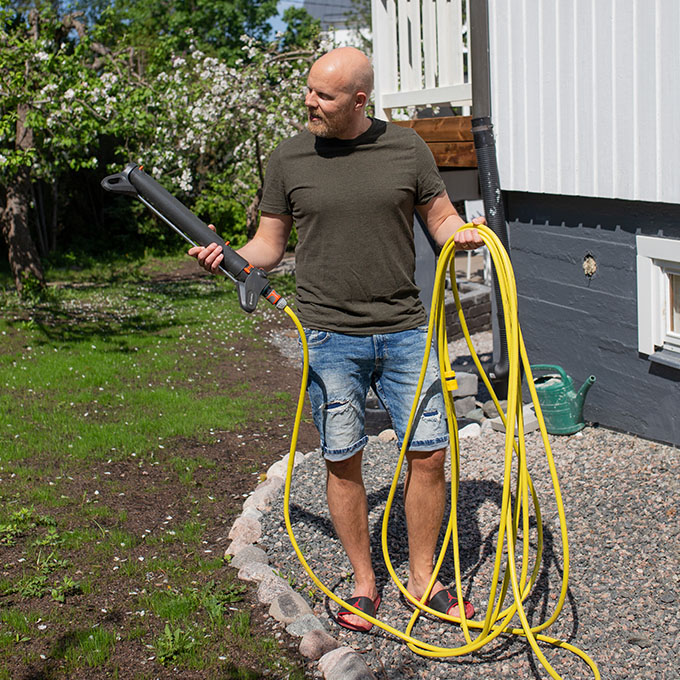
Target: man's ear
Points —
{"points": [[360, 100]]}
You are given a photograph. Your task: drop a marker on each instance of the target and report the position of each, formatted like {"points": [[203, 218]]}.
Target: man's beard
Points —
{"points": [[327, 127]]}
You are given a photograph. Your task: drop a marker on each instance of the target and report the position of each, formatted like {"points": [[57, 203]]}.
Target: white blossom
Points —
{"points": [[185, 180]]}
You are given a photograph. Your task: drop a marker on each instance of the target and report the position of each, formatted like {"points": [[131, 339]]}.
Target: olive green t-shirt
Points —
{"points": [[352, 202]]}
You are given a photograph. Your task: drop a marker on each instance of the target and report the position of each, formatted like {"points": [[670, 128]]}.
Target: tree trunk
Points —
{"points": [[23, 255], [53, 227], [40, 224], [252, 211]]}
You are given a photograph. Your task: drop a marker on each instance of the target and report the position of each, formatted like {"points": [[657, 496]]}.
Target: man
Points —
{"points": [[351, 184]]}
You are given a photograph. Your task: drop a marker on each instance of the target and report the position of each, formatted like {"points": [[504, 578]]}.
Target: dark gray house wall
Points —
{"points": [[588, 324]]}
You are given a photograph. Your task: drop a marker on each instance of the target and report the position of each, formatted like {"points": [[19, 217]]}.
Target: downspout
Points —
{"points": [[489, 181]]}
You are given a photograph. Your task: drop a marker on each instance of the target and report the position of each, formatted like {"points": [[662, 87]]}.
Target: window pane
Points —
{"points": [[674, 280]]}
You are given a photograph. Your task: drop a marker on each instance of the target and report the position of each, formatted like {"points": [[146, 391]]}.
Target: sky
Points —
{"points": [[277, 22]]}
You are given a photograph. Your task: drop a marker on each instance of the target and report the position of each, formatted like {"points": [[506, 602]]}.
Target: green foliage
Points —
{"points": [[19, 622], [175, 644], [58, 391], [240, 624], [32, 586], [67, 587], [185, 467], [174, 25], [216, 600], [125, 339], [9, 533], [22, 520], [52, 538], [190, 532], [173, 606], [302, 30], [32, 288], [35, 584], [46, 565], [93, 646]]}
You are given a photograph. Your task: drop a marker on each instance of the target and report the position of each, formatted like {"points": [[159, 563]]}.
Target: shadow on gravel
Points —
{"points": [[477, 553]]}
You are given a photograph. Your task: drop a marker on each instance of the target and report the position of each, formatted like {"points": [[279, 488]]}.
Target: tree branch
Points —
{"points": [[290, 56]]}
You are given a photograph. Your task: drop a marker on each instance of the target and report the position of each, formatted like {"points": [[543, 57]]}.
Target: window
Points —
{"points": [[658, 288]]}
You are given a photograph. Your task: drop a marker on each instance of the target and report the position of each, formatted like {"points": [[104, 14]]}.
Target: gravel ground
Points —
{"points": [[620, 494]]}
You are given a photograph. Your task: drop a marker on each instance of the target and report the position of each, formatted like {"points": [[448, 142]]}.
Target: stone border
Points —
{"points": [[334, 661]]}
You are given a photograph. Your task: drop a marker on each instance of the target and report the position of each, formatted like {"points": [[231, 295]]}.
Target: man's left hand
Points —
{"points": [[469, 239]]}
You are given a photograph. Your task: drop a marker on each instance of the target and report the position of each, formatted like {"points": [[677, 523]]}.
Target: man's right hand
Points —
{"points": [[209, 257]]}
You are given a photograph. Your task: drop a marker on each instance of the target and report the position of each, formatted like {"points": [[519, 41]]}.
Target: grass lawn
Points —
{"points": [[138, 406]]}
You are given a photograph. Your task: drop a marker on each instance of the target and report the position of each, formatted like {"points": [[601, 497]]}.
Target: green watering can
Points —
{"points": [[562, 407]]}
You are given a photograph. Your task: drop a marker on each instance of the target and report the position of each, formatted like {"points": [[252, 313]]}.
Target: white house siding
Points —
{"points": [[585, 97]]}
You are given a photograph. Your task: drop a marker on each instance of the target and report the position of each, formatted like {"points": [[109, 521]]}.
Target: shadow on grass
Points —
{"points": [[62, 319]]}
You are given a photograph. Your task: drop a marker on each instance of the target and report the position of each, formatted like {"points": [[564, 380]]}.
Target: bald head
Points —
{"points": [[350, 66], [338, 87]]}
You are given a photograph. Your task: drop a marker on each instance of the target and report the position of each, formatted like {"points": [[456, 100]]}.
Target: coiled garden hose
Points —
{"points": [[499, 615]]}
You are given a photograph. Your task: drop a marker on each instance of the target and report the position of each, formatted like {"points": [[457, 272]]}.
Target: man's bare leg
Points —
{"points": [[424, 503], [349, 511]]}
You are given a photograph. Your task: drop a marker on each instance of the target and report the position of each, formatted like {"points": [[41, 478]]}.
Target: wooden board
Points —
{"points": [[454, 154], [449, 139], [446, 129]]}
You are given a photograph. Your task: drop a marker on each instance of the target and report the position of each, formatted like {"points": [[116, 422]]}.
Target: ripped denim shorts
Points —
{"points": [[343, 367]]}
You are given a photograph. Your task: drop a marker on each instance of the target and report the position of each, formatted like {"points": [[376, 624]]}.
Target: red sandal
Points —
{"points": [[364, 604]]}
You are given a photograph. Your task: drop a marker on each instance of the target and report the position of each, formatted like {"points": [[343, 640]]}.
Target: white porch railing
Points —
{"points": [[420, 54]]}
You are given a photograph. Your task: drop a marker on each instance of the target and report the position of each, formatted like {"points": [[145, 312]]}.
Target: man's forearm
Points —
{"points": [[261, 254], [267, 248], [448, 228]]}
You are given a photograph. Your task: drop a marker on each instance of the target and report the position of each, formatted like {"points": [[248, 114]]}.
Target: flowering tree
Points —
{"points": [[223, 121], [54, 105]]}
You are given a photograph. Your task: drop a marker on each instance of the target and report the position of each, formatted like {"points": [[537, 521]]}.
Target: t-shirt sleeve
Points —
{"points": [[429, 181], [274, 196]]}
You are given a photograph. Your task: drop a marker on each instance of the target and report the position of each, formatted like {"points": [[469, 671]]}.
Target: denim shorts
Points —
{"points": [[343, 367]]}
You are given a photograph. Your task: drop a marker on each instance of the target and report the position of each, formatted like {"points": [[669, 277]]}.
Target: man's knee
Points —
{"points": [[427, 462], [349, 468]]}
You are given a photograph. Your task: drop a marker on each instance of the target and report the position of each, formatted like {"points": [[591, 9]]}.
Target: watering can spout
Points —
{"points": [[581, 394]]}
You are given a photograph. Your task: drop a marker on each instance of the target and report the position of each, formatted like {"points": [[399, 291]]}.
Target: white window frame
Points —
{"points": [[672, 337], [656, 258]]}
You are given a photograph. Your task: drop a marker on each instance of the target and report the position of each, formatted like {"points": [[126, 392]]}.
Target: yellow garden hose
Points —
{"points": [[499, 616]]}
